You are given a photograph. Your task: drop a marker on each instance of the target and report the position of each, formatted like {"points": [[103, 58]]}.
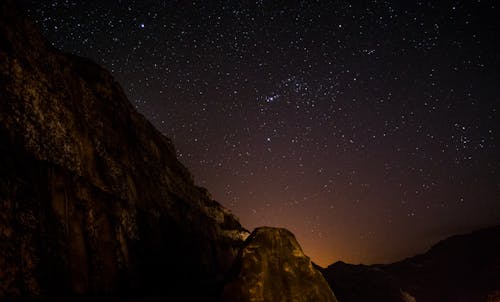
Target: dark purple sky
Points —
{"points": [[370, 131]]}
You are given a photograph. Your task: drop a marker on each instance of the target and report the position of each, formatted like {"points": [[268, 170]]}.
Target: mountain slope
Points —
{"points": [[460, 268], [93, 201], [355, 283]]}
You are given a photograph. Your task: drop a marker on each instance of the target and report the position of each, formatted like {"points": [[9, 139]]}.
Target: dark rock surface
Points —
{"points": [[460, 268], [353, 283], [93, 201], [272, 267]]}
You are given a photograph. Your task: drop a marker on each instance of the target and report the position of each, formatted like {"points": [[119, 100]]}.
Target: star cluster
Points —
{"points": [[370, 131]]}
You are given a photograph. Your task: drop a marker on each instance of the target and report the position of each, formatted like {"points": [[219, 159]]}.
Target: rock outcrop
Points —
{"points": [[93, 201], [460, 268], [272, 267]]}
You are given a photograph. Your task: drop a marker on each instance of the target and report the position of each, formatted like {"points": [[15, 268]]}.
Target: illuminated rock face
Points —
{"points": [[93, 200], [272, 267]]}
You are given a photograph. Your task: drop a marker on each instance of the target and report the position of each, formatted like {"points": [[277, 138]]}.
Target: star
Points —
{"points": [[402, 93]]}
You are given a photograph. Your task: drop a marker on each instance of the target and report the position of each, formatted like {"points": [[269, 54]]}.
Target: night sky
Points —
{"points": [[370, 131]]}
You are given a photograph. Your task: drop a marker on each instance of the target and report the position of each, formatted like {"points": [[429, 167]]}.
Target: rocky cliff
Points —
{"points": [[271, 267], [93, 201], [460, 268]]}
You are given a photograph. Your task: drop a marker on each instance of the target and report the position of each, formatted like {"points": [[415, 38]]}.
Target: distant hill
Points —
{"points": [[461, 268]]}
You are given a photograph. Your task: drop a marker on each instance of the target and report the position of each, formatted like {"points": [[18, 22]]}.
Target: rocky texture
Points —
{"points": [[93, 201], [494, 296], [272, 267], [460, 268]]}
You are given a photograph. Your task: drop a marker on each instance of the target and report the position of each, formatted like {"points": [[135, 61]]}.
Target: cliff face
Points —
{"points": [[92, 198], [272, 267]]}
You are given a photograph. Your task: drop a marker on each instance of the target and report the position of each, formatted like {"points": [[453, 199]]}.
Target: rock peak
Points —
{"points": [[272, 267]]}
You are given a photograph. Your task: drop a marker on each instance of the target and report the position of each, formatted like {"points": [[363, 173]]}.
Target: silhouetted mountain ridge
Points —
{"points": [[459, 268]]}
